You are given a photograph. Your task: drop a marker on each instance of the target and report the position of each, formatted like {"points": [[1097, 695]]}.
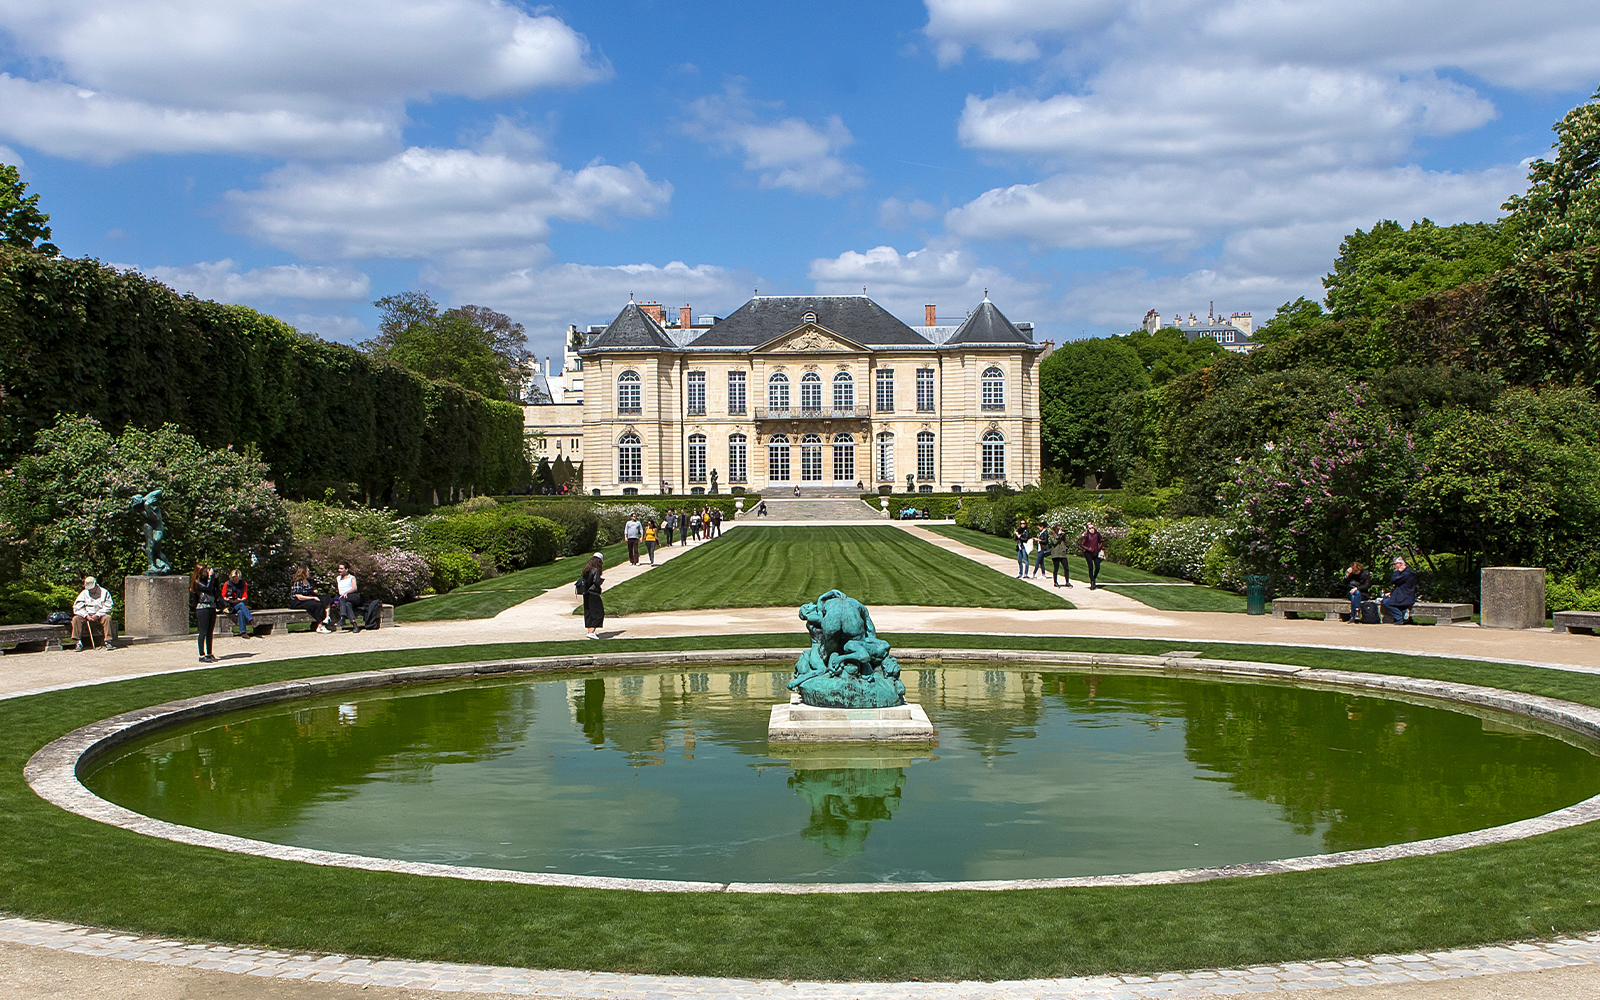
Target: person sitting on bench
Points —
{"points": [[93, 607], [350, 603], [1402, 592], [235, 594]]}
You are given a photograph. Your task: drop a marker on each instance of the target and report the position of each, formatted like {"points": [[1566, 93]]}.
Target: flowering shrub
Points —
{"points": [[1108, 520], [393, 574], [1180, 547], [381, 528], [977, 515], [612, 516]]}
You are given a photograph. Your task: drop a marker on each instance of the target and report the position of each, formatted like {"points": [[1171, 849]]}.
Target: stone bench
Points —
{"points": [[1335, 608], [266, 621], [1584, 622], [32, 638]]}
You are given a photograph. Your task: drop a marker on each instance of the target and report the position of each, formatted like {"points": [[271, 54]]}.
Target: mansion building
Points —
{"points": [[824, 393]]}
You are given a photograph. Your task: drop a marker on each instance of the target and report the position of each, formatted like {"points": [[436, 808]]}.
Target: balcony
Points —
{"points": [[818, 413]]}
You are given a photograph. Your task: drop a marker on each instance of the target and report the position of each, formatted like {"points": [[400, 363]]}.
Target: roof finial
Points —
{"points": [[863, 289], [630, 296], [986, 295]]}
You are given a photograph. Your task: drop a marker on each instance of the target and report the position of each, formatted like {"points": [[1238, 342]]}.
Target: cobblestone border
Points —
{"points": [[54, 771], [1525, 956]]}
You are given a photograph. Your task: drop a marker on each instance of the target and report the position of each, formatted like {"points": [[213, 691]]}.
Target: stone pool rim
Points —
{"points": [[53, 772]]}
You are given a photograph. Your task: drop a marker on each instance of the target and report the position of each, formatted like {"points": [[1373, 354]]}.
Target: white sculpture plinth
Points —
{"points": [[798, 723]]}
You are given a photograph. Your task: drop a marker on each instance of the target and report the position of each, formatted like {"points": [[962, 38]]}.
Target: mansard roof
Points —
{"points": [[633, 328], [988, 325], [767, 317]]}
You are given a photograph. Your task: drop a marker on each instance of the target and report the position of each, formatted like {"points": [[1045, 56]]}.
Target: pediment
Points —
{"points": [[809, 338]]}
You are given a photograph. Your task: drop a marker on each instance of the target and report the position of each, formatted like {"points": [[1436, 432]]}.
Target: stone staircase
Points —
{"points": [[791, 510]]}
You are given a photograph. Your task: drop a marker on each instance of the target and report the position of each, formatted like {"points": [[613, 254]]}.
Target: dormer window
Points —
{"points": [[809, 318]]}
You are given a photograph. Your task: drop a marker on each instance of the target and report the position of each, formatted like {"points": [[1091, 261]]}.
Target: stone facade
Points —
{"points": [[817, 392]]}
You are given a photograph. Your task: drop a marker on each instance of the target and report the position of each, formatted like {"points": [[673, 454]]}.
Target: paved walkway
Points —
{"points": [[42, 959]]}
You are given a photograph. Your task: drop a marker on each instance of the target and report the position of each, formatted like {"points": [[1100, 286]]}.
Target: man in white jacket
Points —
{"points": [[93, 607]]}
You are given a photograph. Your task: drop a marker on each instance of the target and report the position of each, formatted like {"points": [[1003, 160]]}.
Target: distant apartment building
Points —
{"points": [[1234, 333]]}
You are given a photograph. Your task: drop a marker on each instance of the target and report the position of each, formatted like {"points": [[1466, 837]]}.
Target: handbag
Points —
{"points": [[577, 587], [58, 618]]}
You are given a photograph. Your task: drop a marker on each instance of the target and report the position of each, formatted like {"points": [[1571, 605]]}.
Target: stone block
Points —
{"points": [[155, 606], [1512, 597], [797, 723]]}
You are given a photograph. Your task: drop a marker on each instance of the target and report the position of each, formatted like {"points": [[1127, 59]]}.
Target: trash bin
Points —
{"points": [[1255, 595]]}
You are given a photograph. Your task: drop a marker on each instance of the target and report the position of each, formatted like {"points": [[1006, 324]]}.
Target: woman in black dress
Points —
{"points": [[594, 608], [205, 593]]}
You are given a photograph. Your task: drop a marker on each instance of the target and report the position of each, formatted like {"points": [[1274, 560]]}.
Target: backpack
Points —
{"points": [[577, 587], [373, 613]]}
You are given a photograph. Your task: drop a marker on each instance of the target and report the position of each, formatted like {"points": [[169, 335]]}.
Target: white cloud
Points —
{"points": [[222, 280], [1008, 29], [277, 77], [1117, 300], [896, 214], [497, 200], [904, 283], [789, 153]]}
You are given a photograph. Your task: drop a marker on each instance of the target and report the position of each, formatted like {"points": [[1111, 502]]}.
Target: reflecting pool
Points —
{"points": [[668, 774]]}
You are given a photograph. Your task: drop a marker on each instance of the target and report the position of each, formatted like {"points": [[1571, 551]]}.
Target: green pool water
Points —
{"points": [[668, 774]]}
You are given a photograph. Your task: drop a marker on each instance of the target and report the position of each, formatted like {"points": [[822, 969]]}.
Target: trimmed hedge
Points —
{"points": [[941, 506], [513, 540], [78, 337]]}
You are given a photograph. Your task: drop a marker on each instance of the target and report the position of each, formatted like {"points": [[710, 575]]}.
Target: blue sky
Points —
{"points": [[1083, 160]]}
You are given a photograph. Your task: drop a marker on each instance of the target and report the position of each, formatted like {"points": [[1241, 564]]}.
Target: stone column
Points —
{"points": [[156, 607], [1512, 597]]}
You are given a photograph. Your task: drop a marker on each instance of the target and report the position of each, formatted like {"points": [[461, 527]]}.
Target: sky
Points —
{"points": [[1082, 161]]}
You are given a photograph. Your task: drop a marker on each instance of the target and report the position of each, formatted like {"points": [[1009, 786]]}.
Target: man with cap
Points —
{"points": [[93, 607]]}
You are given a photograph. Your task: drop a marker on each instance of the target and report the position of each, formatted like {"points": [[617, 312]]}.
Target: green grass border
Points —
{"points": [[58, 865]]}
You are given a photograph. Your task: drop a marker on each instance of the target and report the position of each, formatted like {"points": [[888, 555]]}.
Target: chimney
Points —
{"points": [[655, 311], [685, 318], [928, 315]]}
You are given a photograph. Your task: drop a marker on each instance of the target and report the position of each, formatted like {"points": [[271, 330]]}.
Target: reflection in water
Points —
{"points": [[591, 710], [845, 802]]}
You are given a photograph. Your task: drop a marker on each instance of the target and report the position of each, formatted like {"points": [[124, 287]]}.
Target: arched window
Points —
{"points": [[811, 391], [697, 458], [994, 455], [628, 393], [737, 458], [994, 389], [925, 455], [844, 458], [811, 458], [885, 457], [844, 391], [630, 459], [778, 458], [778, 391]]}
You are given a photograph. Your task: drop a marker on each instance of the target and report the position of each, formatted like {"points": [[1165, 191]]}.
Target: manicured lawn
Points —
{"points": [[1182, 597], [1109, 572], [487, 598], [767, 567], [54, 864]]}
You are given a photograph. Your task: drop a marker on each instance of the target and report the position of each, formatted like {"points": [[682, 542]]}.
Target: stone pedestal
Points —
{"points": [[156, 607], [798, 723], [1512, 597]]}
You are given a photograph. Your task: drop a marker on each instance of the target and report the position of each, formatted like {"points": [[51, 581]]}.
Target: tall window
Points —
{"points": [[778, 458], [697, 458], [925, 390], [736, 393], [628, 393], [994, 389], [885, 457], [737, 453], [697, 393], [885, 392], [778, 392], [844, 391], [994, 455], [630, 459], [811, 459], [811, 391], [844, 458], [925, 455]]}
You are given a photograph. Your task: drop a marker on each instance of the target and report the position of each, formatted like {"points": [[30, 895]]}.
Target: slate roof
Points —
{"points": [[768, 317], [538, 391], [633, 328], [988, 325]]}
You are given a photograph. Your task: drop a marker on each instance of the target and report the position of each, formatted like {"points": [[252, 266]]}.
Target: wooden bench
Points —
{"points": [[1334, 608], [33, 638], [266, 621], [1584, 622]]}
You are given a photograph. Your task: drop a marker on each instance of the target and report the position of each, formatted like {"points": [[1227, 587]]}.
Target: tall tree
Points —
{"points": [[1392, 264], [21, 222], [459, 345], [1300, 316], [1561, 209], [1077, 386]]}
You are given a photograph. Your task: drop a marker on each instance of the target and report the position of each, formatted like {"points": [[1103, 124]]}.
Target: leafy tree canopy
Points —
{"points": [[1392, 264], [1167, 353], [1300, 316], [1561, 209], [21, 223], [1077, 386], [474, 347]]}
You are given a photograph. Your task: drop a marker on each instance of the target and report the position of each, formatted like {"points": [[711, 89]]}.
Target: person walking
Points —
{"points": [[694, 525], [1093, 548], [650, 541], [235, 594], [1357, 581], [669, 525], [1060, 553], [1041, 549], [205, 593], [1022, 536], [633, 531], [594, 607], [716, 522], [683, 526]]}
